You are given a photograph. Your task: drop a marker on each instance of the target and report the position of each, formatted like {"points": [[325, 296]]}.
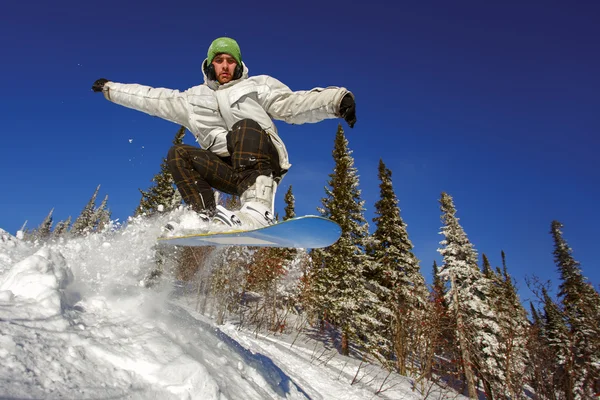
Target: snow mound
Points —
{"points": [[35, 286]]}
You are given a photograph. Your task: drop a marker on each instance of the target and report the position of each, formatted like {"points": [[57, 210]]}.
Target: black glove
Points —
{"points": [[348, 110], [98, 86]]}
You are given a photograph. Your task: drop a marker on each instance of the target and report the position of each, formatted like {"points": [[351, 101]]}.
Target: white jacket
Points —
{"points": [[210, 110]]}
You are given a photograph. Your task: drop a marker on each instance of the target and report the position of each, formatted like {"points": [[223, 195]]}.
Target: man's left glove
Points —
{"points": [[348, 109], [98, 86]]}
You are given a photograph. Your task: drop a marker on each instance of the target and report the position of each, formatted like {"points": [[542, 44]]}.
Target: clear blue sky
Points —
{"points": [[497, 105]]}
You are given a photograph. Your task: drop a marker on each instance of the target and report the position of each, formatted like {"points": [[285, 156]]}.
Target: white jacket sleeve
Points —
{"points": [[302, 106], [164, 103]]}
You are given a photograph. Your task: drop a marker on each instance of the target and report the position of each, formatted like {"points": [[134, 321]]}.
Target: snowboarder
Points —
{"points": [[230, 115]]}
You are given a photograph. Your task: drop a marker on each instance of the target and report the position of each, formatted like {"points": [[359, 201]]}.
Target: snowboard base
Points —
{"points": [[306, 232]]}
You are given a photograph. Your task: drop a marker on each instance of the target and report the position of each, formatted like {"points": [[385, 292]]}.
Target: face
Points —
{"points": [[224, 67]]}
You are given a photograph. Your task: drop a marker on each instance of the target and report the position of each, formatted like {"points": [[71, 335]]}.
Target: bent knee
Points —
{"points": [[178, 151]]}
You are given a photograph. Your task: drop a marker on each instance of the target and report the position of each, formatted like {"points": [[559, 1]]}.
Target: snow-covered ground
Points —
{"points": [[76, 323]]}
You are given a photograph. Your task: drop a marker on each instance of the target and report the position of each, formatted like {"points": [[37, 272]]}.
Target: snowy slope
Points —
{"points": [[75, 323]]}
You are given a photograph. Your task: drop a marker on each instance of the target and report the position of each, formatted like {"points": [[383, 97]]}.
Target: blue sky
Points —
{"points": [[495, 104]]}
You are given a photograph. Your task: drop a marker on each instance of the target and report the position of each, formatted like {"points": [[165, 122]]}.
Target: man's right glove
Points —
{"points": [[348, 110], [98, 86]]}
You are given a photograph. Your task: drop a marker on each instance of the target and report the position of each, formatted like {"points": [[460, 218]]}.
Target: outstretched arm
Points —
{"points": [[164, 103], [307, 106]]}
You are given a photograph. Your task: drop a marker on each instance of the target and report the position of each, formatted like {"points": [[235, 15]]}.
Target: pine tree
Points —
{"points": [[536, 320], [290, 212], [438, 287], [443, 329], [62, 227], [540, 364], [487, 268], [581, 307], [161, 195], [500, 300], [290, 204], [85, 223], [514, 326], [337, 283], [45, 229], [102, 215], [556, 338], [59, 229], [397, 276], [468, 302]]}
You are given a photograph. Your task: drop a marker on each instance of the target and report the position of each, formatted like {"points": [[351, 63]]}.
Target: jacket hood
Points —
{"points": [[214, 85]]}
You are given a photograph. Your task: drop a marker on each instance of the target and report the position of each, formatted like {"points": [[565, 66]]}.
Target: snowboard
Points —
{"points": [[306, 232]]}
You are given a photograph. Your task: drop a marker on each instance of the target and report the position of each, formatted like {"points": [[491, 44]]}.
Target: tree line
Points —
{"points": [[91, 219]]}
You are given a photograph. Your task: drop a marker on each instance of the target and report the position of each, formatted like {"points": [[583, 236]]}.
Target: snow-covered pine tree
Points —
{"points": [[536, 320], [438, 288], [581, 307], [533, 372], [161, 195], [541, 368], [102, 215], [439, 310], [496, 292], [44, 231], [337, 283], [514, 330], [61, 228], [556, 338], [290, 204], [468, 302], [400, 285], [443, 329], [487, 267], [85, 222]]}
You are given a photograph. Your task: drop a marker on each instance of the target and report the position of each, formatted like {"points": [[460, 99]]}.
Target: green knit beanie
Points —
{"points": [[224, 45]]}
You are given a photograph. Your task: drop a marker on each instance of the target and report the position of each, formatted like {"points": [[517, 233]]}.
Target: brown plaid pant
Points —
{"points": [[197, 171]]}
